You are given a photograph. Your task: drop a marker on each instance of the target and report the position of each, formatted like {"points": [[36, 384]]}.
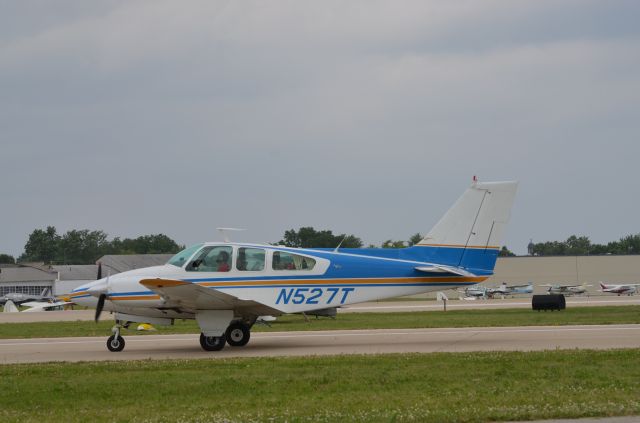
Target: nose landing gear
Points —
{"points": [[115, 343]]}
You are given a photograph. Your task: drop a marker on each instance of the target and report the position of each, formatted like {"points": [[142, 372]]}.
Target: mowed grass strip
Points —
{"points": [[422, 319], [454, 387]]}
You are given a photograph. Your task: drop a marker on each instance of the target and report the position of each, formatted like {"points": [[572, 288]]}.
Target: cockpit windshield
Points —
{"points": [[181, 258]]}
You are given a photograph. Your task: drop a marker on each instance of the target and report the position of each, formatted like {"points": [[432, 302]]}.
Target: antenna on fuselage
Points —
{"points": [[224, 231], [336, 250]]}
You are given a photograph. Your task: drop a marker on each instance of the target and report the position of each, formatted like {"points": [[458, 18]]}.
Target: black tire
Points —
{"points": [[212, 343], [238, 334], [115, 344]]}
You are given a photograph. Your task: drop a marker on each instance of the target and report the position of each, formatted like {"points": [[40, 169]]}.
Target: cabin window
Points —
{"points": [[287, 261], [212, 259], [250, 259], [181, 258]]}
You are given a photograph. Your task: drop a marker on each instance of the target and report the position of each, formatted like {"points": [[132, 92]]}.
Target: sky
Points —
{"points": [[361, 117]]}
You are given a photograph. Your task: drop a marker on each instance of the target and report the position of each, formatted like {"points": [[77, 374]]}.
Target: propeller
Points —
{"points": [[100, 306], [100, 291]]}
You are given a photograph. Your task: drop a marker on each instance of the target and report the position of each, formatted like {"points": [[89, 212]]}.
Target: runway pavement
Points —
{"points": [[328, 343], [521, 302], [379, 307]]}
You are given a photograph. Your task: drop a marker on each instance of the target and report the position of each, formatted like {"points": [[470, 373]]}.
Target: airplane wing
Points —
{"points": [[439, 268], [195, 297], [562, 286], [35, 306]]}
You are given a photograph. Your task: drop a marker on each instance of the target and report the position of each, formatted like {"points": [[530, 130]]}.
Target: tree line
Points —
{"points": [[308, 237], [86, 246], [582, 245]]}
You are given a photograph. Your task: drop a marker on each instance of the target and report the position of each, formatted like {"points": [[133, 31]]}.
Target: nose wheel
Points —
{"points": [[115, 343]]}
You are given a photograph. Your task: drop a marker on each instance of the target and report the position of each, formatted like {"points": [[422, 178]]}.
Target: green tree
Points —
{"points": [[7, 259], [85, 246], [307, 237], [42, 245], [629, 245], [577, 245], [581, 245], [505, 252], [82, 246], [415, 238], [145, 244], [393, 244]]}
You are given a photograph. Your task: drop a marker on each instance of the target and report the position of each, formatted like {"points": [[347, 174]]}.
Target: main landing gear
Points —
{"points": [[236, 335]]}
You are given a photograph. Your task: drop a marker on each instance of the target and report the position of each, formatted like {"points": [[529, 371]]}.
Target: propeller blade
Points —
{"points": [[100, 306], [99, 271]]}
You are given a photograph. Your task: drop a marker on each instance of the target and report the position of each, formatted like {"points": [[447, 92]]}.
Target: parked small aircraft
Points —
{"points": [[18, 298], [474, 292], [483, 292], [627, 289], [505, 289], [226, 286], [567, 289], [35, 306]]}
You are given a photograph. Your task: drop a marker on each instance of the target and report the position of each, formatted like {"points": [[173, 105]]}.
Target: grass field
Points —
{"points": [[455, 387], [423, 319]]}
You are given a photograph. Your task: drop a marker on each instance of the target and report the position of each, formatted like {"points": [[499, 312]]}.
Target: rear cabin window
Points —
{"points": [[287, 261], [250, 259], [212, 259]]}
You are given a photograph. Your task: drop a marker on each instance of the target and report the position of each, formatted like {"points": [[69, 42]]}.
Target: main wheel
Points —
{"points": [[212, 343], [238, 334], [115, 343]]}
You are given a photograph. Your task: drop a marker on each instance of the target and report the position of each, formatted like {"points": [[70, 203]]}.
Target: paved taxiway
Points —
{"points": [[328, 343], [522, 302]]}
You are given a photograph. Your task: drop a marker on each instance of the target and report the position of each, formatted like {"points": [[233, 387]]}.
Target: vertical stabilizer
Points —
{"points": [[10, 307], [470, 234]]}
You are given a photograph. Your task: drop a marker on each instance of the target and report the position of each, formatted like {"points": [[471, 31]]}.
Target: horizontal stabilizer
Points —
{"points": [[438, 268]]}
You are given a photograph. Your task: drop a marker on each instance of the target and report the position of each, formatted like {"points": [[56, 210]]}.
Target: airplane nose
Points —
{"points": [[99, 288]]}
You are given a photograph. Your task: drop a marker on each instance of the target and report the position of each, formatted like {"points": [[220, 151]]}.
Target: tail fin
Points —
{"points": [[470, 234], [10, 307]]}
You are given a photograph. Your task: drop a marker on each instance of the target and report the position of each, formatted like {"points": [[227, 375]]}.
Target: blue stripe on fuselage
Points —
{"points": [[480, 261]]}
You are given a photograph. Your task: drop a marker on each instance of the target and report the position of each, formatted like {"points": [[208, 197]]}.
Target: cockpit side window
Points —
{"points": [[212, 259], [250, 259], [282, 260], [184, 255]]}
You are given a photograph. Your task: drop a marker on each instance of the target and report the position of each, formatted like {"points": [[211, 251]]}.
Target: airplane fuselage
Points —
{"points": [[336, 279]]}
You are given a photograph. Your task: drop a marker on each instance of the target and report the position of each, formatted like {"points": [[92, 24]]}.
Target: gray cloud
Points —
{"points": [[365, 117]]}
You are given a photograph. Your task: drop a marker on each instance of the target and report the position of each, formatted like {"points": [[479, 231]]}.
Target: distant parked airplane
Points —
{"points": [[567, 289], [479, 291], [505, 289], [18, 298], [474, 292], [628, 289], [35, 306]]}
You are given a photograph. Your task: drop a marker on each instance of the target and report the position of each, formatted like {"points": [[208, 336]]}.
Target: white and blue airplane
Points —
{"points": [[226, 286]]}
